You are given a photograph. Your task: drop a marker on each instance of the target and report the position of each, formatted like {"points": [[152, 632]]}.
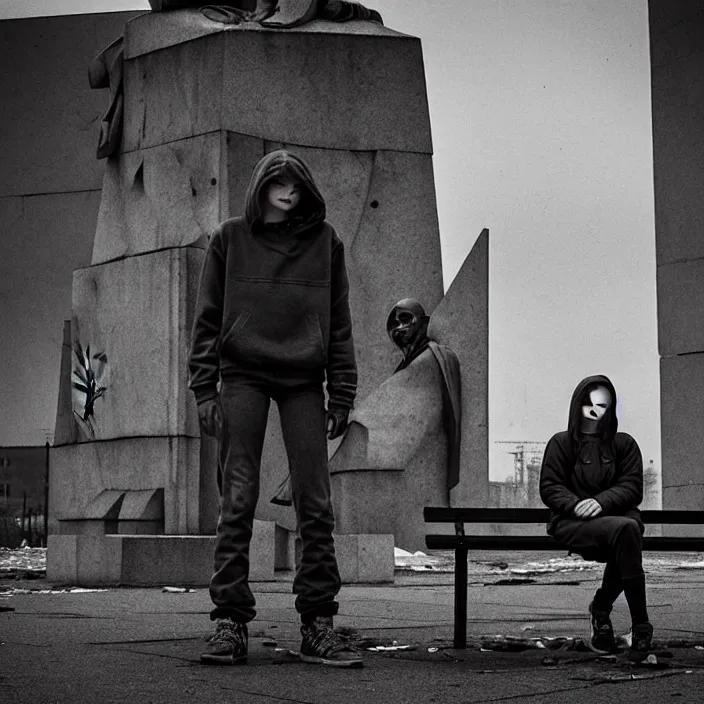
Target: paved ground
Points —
{"points": [[142, 645]]}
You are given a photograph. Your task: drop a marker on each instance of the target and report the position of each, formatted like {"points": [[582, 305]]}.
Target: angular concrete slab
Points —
{"points": [[210, 83], [681, 307], [682, 408], [50, 115], [394, 254], [678, 140], [155, 560], [365, 558], [45, 238], [393, 460], [461, 322], [137, 312], [169, 196], [81, 472]]}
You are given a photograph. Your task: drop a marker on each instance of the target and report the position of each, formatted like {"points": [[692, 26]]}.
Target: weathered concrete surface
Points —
{"points": [[50, 115], [681, 306], [43, 240], [49, 195], [181, 560], [682, 408], [461, 322], [80, 472], [139, 312], [677, 81], [393, 459], [167, 196], [201, 85], [143, 645], [365, 558]]}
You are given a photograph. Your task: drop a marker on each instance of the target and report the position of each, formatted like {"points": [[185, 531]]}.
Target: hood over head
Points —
{"points": [[309, 212], [608, 424]]}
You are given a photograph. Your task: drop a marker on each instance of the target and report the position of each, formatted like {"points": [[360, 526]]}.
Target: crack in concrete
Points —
{"points": [[144, 640], [529, 695], [267, 696]]}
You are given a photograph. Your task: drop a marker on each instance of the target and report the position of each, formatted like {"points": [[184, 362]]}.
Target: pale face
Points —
{"points": [[599, 402], [283, 193]]}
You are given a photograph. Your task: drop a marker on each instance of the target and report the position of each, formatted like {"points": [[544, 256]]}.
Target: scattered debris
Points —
{"points": [[391, 648], [177, 590], [550, 661], [606, 677], [529, 627], [433, 649]]}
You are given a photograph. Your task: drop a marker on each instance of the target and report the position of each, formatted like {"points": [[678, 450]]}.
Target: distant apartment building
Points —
{"points": [[22, 492]]}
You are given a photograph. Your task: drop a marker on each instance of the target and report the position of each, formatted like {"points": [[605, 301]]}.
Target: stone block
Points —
{"points": [[678, 141], [153, 560], [374, 86], [393, 253], [393, 460], [172, 195], [81, 472], [681, 307], [61, 558], [50, 115], [682, 407], [183, 560], [99, 560], [45, 238], [138, 312], [365, 559], [461, 322]]}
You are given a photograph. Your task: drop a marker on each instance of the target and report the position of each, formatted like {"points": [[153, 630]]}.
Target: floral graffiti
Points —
{"points": [[88, 375]]}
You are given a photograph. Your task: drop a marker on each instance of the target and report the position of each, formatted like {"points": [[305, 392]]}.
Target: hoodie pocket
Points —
{"points": [[275, 338]]}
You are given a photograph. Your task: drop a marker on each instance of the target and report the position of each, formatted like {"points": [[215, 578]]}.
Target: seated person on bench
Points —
{"points": [[592, 480]]}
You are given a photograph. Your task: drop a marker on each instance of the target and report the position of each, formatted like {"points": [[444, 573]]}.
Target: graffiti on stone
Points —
{"points": [[89, 372]]}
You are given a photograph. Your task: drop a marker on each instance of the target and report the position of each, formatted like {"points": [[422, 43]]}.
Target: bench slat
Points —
{"points": [[433, 514], [545, 542]]}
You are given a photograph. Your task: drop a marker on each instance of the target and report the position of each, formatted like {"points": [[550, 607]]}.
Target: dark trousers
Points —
{"points": [[618, 541], [244, 404]]}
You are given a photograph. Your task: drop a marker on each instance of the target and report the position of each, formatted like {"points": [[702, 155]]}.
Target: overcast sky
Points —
{"points": [[541, 123]]}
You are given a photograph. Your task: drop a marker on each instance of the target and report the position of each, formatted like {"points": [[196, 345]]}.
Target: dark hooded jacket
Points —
{"points": [[606, 466], [273, 298]]}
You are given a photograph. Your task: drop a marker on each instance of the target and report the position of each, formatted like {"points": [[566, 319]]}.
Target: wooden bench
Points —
{"points": [[462, 543]]}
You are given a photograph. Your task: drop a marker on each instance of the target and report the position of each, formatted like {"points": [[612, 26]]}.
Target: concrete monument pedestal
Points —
{"points": [[203, 102]]}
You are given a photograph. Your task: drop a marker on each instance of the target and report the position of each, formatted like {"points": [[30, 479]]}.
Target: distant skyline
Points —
{"points": [[541, 120]]}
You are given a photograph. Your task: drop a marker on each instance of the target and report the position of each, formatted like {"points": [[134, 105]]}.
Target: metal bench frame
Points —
{"points": [[462, 543]]}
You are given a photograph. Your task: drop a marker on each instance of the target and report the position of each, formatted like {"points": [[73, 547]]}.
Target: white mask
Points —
{"points": [[599, 402]]}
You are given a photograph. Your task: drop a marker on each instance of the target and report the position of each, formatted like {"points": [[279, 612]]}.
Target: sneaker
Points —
{"points": [[229, 644], [602, 632], [322, 646], [641, 641]]}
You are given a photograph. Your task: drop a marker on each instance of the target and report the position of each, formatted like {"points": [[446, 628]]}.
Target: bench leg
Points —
{"points": [[460, 639]]}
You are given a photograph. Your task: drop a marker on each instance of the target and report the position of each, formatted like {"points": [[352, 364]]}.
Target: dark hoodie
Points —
{"points": [[606, 466], [273, 298]]}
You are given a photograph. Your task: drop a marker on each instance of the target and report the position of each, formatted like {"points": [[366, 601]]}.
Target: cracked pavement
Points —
{"points": [[142, 645]]}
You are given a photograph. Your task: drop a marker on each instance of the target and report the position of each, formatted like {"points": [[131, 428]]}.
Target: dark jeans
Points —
{"points": [[616, 540], [244, 403]]}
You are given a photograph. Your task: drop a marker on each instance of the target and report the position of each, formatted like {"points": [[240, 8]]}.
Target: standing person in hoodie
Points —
{"points": [[272, 322], [592, 480]]}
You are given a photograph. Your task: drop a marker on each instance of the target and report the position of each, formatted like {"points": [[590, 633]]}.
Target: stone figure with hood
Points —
{"points": [[272, 322], [592, 481]]}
